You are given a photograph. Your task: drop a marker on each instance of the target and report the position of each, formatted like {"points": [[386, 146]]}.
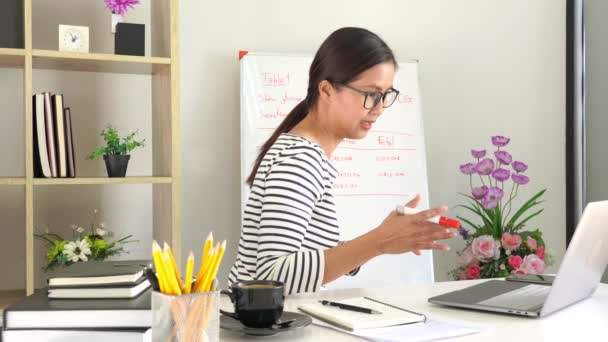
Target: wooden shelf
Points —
{"points": [[102, 180], [8, 297], [12, 58], [98, 62], [12, 181], [164, 77]]}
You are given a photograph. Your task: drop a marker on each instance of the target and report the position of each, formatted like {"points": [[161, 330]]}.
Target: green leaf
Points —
{"points": [[526, 206], [477, 212], [114, 145], [520, 225], [468, 222]]}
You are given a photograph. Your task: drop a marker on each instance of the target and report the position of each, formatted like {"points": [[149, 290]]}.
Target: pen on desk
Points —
{"points": [[350, 307]]}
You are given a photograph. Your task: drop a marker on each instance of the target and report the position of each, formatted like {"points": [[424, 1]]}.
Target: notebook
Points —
{"points": [[351, 320], [39, 312], [99, 273], [99, 292]]}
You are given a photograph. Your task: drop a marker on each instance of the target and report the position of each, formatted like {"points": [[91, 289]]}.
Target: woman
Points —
{"points": [[290, 232]]}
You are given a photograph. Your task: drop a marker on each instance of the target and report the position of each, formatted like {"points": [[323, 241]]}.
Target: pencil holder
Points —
{"points": [[192, 317]]}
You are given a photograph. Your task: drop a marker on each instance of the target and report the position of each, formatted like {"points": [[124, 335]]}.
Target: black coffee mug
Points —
{"points": [[257, 303]]}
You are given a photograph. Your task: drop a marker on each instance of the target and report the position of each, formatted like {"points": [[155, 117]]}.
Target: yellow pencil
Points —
{"points": [[217, 265], [204, 259], [167, 250], [214, 267], [159, 267], [208, 261], [171, 280], [189, 269]]}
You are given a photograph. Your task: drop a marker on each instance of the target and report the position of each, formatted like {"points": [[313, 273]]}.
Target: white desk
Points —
{"points": [[587, 320]]}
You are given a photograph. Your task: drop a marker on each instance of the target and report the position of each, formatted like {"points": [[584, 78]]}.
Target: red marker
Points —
{"points": [[441, 220]]}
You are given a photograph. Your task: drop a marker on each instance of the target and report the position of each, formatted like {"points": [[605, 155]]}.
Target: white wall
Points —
{"points": [[487, 67]]}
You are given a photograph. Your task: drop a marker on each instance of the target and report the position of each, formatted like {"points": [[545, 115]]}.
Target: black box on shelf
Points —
{"points": [[11, 24], [130, 39]]}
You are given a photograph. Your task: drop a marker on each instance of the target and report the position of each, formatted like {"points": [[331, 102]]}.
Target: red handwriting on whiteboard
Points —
{"points": [[275, 115], [349, 174], [341, 158], [263, 97], [384, 140], [404, 98], [391, 174], [387, 158], [275, 79], [287, 99], [345, 186]]}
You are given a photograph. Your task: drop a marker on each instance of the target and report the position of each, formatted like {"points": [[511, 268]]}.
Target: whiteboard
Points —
{"points": [[386, 168]]}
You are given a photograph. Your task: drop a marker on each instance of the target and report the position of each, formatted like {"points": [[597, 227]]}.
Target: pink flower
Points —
{"points": [[497, 250], [532, 264], [473, 271], [466, 257], [519, 271], [531, 243], [540, 252], [120, 6], [514, 261], [484, 247], [511, 241]]}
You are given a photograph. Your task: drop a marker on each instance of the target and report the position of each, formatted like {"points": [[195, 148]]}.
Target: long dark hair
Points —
{"points": [[342, 57]]}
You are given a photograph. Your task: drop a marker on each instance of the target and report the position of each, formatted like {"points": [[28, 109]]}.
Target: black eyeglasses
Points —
{"points": [[372, 99]]}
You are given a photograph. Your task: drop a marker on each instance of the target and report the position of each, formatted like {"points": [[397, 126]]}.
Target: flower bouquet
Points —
{"points": [[83, 245], [496, 242]]}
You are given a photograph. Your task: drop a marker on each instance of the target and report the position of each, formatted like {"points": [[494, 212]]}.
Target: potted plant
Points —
{"points": [[116, 152], [119, 8], [82, 246], [497, 241]]}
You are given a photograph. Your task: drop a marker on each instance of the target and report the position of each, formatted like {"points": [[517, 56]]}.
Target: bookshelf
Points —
{"points": [[165, 178]]}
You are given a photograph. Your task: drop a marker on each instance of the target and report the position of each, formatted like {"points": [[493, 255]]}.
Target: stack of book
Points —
{"points": [[53, 141], [102, 301]]}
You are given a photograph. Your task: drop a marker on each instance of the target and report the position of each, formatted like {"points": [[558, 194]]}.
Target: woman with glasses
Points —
{"points": [[290, 231]]}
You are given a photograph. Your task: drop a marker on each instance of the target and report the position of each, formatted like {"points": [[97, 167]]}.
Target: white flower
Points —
{"points": [[508, 252], [77, 250], [101, 232], [503, 267], [80, 230], [102, 225]]}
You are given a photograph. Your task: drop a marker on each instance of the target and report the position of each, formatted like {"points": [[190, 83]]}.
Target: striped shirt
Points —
{"points": [[289, 217]]}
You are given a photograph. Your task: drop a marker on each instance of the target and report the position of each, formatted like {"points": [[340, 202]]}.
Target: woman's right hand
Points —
{"points": [[411, 233]]}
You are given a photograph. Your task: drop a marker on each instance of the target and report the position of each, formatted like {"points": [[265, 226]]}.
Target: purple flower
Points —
{"points": [[501, 175], [503, 157], [520, 179], [478, 154], [479, 192], [519, 166], [485, 167], [464, 233], [120, 6], [467, 169], [499, 140], [491, 199]]}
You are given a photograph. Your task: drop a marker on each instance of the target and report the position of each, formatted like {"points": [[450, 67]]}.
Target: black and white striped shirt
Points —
{"points": [[289, 218]]}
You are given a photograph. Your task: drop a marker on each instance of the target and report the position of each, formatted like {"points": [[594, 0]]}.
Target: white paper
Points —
{"points": [[432, 330]]}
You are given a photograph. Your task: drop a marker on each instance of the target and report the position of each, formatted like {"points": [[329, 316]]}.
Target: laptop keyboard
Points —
{"points": [[525, 298]]}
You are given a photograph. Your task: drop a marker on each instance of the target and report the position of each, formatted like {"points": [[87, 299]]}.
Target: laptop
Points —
{"points": [[577, 278]]}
